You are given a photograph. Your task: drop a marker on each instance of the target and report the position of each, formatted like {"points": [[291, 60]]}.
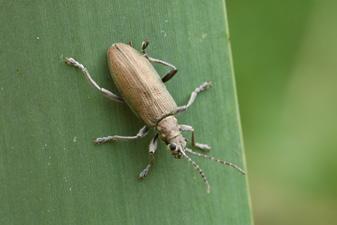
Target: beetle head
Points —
{"points": [[169, 131], [176, 146]]}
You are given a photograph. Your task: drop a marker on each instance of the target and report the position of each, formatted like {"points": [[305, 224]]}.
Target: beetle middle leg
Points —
{"points": [[152, 149], [183, 127], [203, 87], [141, 133], [84, 70]]}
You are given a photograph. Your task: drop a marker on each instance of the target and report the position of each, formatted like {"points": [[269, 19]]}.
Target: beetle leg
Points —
{"points": [[105, 92], [144, 45], [169, 74], [152, 149], [141, 133], [201, 88], [183, 127]]}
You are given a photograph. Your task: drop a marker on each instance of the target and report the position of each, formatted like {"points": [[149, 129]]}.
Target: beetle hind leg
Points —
{"points": [[141, 133], [170, 73], [152, 149]]}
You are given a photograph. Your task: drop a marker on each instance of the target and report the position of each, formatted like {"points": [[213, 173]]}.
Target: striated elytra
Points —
{"points": [[139, 84]]}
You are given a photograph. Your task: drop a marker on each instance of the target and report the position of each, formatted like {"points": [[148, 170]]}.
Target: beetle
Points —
{"points": [[144, 91]]}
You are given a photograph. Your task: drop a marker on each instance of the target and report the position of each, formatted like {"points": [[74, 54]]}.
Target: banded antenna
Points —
{"points": [[197, 167], [223, 162]]}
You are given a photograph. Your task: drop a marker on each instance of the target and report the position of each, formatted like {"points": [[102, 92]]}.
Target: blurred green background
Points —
{"points": [[285, 57]]}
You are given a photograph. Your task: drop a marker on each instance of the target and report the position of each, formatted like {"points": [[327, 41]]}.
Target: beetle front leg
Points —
{"points": [[84, 70], [201, 88], [183, 127], [152, 149], [141, 133]]}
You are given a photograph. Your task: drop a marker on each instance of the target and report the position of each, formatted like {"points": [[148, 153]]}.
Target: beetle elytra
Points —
{"points": [[144, 91]]}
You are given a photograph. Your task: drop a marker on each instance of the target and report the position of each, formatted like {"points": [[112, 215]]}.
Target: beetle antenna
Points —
{"points": [[197, 167], [223, 162]]}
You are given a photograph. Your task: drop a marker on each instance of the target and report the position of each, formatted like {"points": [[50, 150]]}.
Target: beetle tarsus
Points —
{"points": [[144, 172], [73, 62], [205, 86], [204, 147], [102, 140]]}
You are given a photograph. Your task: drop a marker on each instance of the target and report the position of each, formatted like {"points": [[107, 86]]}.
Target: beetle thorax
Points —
{"points": [[168, 128]]}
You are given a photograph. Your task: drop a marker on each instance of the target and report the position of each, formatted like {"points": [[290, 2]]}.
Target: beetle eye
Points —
{"points": [[172, 146]]}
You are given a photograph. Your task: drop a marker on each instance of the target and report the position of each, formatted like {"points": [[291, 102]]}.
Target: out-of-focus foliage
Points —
{"points": [[285, 57]]}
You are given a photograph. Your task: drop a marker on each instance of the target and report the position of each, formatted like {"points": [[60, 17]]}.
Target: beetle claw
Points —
{"points": [[100, 140], [206, 85], [69, 61]]}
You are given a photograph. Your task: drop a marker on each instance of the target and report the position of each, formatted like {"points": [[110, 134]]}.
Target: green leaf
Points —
{"points": [[52, 173]]}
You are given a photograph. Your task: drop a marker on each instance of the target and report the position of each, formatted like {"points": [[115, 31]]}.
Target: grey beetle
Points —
{"points": [[144, 92]]}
